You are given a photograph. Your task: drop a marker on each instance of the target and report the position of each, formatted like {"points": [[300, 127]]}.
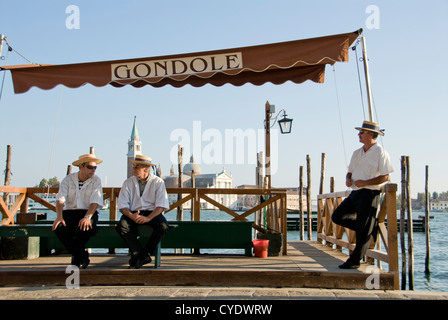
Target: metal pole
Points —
{"points": [[366, 71], [2, 37]]}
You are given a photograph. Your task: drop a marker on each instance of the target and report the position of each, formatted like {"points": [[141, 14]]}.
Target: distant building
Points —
{"points": [[293, 200], [247, 201], [202, 180], [438, 205]]}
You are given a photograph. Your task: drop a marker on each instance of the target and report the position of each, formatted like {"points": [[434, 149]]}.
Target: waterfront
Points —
{"points": [[438, 279]]}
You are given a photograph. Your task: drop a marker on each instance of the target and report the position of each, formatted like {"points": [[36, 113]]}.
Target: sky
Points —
{"points": [[48, 129]]}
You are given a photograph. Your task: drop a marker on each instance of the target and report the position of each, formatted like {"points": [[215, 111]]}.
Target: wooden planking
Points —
{"points": [[231, 278], [308, 264]]}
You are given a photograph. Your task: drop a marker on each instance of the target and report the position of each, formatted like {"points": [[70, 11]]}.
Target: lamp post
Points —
{"points": [[285, 128]]}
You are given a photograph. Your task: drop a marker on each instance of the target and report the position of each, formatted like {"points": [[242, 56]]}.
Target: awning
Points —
{"points": [[296, 61]]}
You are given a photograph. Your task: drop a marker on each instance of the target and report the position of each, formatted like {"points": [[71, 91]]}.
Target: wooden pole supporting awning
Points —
{"points": [[277, 63]]}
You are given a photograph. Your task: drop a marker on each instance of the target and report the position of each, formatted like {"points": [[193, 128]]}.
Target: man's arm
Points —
{"points": [[126, 212], [372, 182], [348, 179], [59, 218]]}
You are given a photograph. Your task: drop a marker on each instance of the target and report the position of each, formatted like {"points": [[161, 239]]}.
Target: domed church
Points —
{"points": [[202, 180]]}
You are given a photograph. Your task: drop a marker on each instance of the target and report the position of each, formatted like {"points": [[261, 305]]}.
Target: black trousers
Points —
{"points": [[358, 212], [73, 238], [127, 228]]}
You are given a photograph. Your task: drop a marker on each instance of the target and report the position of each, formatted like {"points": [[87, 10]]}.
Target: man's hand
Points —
{"points": [[372, 182], [85, 224], [349, 182], [140, 219], [56, 222]]}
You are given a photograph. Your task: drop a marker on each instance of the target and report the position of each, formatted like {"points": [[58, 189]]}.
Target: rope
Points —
{"points": [[354, 48], [21, 55], [10, 49], [376, 116], [340, 117], [4, 73]]}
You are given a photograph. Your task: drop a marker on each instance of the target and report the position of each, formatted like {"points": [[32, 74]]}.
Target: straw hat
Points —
{"points": [[371, 126], [139, 159], [87, 158]]}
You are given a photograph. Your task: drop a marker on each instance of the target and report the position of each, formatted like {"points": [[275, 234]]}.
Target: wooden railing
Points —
{"points": [[332, 235], [271, 209]]}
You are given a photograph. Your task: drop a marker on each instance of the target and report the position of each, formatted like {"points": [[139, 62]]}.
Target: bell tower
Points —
{"points": [[134, 147]]}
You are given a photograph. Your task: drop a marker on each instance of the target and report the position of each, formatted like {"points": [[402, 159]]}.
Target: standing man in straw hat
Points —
{"points": [[79, 196], [369, 168], [142, 200]]}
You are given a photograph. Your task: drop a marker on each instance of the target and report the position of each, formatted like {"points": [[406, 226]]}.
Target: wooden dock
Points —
{"points": [[305, 264], [308, 264]]}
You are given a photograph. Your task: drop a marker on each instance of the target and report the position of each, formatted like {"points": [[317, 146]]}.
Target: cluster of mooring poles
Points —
{"points": [[309, 210], [407, 256]]}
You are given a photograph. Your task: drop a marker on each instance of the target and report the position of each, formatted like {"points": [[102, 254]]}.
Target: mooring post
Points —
{"points": [[428, 246], [410, 226], [402, 218], [308, 196]]}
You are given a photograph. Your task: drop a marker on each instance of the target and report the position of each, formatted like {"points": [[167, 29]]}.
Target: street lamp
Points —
{"points": [[285, 128], [285, 124]]}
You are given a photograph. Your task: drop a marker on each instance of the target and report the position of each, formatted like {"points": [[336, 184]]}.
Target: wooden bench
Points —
{"points": [[182, 234], [105, 237]]}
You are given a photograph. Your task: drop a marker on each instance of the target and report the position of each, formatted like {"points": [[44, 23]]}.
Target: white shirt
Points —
{"points": [[154, 195], [368, 165], [75, 198]]}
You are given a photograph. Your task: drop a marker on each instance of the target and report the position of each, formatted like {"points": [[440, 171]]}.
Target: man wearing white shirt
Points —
{"points": [[142, 200], [79, 196], [369, 168]]}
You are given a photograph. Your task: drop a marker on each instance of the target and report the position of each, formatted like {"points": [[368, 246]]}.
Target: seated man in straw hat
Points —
{"points": [[142, 200], [79, 196], [369, 168]]}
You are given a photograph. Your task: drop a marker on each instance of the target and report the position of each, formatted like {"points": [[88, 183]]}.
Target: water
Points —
{"points": [[436, 281], [438, 278]]}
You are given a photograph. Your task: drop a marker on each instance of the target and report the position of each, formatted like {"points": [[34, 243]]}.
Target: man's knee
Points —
{"points": [[60, 229], [336, 217], [163, 227], [122, 227]]}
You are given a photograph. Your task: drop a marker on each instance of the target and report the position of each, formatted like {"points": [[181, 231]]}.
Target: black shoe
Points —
{"points": [[132, 261], [142, 260], [85, 259], [349, 264], [76, 261]]}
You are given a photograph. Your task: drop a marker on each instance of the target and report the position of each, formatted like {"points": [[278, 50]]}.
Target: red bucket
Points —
{"points": [[261, 248]]}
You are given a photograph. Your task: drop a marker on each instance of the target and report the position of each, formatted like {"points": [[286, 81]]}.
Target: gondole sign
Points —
{"points": [[174, 67]]}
